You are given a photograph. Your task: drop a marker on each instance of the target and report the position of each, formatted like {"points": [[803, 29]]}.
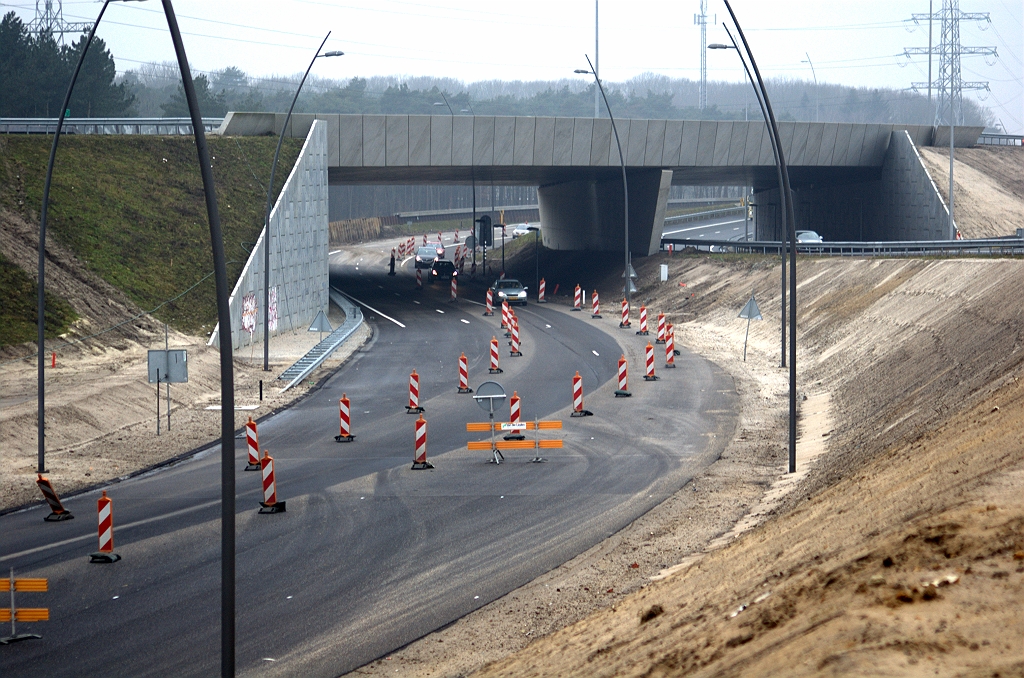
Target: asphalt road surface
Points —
{"points": [[370, 555], [719, 228]]}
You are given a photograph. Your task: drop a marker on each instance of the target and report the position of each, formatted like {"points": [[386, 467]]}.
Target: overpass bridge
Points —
{"points": [[851, 181]]}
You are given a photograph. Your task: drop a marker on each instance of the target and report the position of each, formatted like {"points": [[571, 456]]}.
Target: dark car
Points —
{"points": [[510, 290], [426, 255], [442, 269]]}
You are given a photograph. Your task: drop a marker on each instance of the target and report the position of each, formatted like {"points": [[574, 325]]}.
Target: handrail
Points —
{"points": [[1006, 246], [1001, 140], [165, 126]]}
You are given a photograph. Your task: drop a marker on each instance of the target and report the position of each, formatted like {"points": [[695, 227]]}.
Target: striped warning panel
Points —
{"points": [[550, 444], [477, 445], [26, 584], [476, 427], [32, 614]]}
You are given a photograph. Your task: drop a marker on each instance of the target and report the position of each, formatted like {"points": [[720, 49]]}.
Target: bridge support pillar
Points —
{"points": [[588, 214]]}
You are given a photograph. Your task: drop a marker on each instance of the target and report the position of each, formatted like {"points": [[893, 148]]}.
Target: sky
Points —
{"points": [[857, 43]]}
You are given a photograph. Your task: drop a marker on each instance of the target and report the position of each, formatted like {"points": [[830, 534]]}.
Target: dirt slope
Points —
{"points": [[988, 187]]}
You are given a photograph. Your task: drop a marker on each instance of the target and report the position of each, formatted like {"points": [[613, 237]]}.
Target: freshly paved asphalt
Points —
{"points": [[370, 554]]}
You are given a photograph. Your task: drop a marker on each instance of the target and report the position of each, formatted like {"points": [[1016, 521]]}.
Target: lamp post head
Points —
{"points": [[583, 71], [333, 53], [718, 45]]}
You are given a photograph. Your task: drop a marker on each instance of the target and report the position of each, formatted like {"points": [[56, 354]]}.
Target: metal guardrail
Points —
{"points": [[1010, 246], [698, 216], [164, 126], [320, 352], [1001, 140]]}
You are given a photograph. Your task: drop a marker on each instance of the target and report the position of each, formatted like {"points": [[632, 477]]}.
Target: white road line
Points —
{"points": [[370, 308], [439, 311], [694, 228], [334, 252], [464, 320], [595, 353]]}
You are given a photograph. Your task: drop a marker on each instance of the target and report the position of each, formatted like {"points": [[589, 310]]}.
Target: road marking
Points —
{"points": [[439, 311], [120, 528], [368, 307], [547, 326], [334, 252], [694, 228], [595, 353], [413, 301], [464, 320]]}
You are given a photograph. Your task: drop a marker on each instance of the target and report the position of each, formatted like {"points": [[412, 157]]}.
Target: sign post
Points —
{"points": [[486, 395], [750, 312]]}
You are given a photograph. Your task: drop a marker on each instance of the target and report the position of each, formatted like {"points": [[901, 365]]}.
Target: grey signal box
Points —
{"points": [[486, 231], [171, 364]]}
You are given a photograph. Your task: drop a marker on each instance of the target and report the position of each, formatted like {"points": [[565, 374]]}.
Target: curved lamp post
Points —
{"points": [[622, 162], [227, 387], [270, 205], [787, 197]]}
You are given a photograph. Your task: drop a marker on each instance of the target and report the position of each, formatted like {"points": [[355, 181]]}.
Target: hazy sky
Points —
{"points": [[850, 42]]}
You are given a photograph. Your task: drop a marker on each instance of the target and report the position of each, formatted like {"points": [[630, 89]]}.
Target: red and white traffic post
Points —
{"points": [[252, 440], [504, 313], [661, 329], [670, 346], [577, 398], [419, 280], [424, 239], [490, 302], [455, 289], [643, 321], [494, 357], [270, 504], [57, 510], [623, 390], [105, 512], [515, 352], [414, 394], [595, 304], [345, 414], [419, 460], [577, 299], [649, 376], [464, 374], [540, 293], [625, 313], [514, 417]]}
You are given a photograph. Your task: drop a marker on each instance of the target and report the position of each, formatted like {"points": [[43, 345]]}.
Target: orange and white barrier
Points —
{"points": [[577, 299], [252, 441], [650, 363], [514, 327], [419, 280], [410, 245], [595, 305], [490, 302], [643, 321], [455, 289], [494, 357], [670, 346], [439, 236], [270, 504], [414, 394], [401, 249], [505, 308], [625, 314], [661, 329], [57, 510], [514, 417], [419, 460], [424, 239], [540, 293], [577, 398], [464, 375], [105, 512], [623, 390], [345, 415], [456, 235]]}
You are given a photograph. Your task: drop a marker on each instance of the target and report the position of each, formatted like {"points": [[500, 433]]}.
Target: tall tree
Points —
{"points": [[210, 104]]}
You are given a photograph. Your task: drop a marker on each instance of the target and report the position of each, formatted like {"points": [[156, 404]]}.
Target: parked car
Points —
{"points": [[426, 255], [520, 229], [442, 269], [509, 289]]}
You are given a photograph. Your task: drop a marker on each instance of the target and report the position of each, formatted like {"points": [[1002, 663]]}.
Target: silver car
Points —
{"points": [[510, 290]]}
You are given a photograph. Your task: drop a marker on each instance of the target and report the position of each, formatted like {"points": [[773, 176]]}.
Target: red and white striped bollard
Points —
{"points": [[57, 510], [577, 300], [414, 394], [650, 363], [661, 329], [643, 321], [270, 504], [464, 375], [514, 327], [419, 460], [490, 302], [623, 390], [494, 357], [345, 416], [253, 443], [625, 314], [419, 280], [577, 397], [105, 513], [595, 304], [670, 346], [455, 289], [540, 293]]}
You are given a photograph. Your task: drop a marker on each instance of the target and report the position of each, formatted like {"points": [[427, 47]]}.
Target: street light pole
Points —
{"points": [[790, 217], [270, 205], [817, 92], [622, 162]]}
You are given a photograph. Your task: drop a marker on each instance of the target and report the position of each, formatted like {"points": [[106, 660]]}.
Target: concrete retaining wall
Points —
{"points": [[298, 250]]}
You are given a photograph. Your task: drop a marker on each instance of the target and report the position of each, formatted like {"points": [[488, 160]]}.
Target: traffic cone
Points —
{"points": [[57, 510], [494, 357], [661, 329], [625, 314], [623, 390], [650, 363], [464, 375], [105, 510], [419, 460], [577, 398], [345, 414], [414, 394], [595, 305], [270, 504], [577, 299], [670, 346], [643, 321], [253, 443]]}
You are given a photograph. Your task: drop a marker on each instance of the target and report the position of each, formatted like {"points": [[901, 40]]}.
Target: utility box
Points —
{"points": [[172, 366], [664, 272], [486, 231]]}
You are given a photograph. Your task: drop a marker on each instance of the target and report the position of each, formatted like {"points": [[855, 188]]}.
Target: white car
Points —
{"points": [[520, 229]]}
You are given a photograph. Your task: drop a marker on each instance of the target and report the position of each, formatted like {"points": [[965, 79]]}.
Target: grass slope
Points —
{"points": [[18, 312], [132, 209]]}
